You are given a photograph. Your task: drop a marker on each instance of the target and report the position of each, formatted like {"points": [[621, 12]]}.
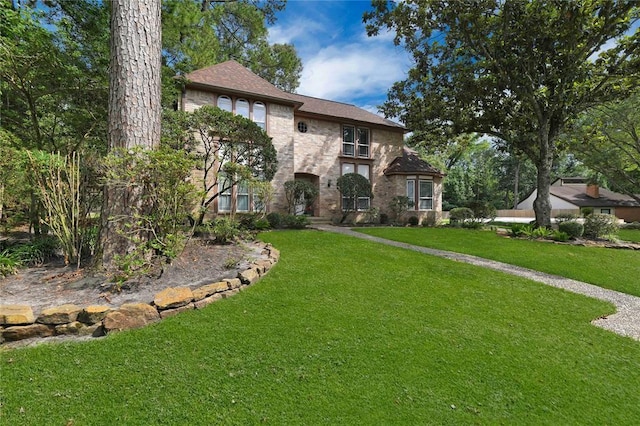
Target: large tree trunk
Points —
{"points": [[134, 110], [542, 203]]}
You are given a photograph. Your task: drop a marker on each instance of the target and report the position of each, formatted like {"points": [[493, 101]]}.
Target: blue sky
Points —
{"points": [[340, 62]]}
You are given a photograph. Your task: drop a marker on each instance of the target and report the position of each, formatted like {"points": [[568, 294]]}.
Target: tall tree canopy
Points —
{"points": [[513, 69], [199, 33], [607, 139]]}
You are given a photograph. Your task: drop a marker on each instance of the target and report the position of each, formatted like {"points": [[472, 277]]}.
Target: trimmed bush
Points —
{"points": [[572, 228], [460, 215], [295, 222], [413, 220], [598, 225], [275, 220]]}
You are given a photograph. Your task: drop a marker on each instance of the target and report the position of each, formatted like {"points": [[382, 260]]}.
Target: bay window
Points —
{"points": [[420, 193]]}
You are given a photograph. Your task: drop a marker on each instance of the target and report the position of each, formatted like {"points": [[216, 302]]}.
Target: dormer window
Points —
{"points": [[355, 141]]}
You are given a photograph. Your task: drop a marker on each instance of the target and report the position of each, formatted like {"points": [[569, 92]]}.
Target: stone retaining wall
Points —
{"points": [[17, 322]]}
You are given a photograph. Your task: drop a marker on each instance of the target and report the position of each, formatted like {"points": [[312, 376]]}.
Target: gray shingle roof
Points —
{"points": [[231, 77], [411, 163], [577, 194]]}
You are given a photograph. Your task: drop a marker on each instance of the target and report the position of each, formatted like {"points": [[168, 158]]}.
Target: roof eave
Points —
{"points": [[252, 95]]}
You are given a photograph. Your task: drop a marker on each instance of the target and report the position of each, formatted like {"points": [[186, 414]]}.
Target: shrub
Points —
{"points": [[384, 219], [413, 220], [560, 236], [36, 252], [566, 217], [295, 222], [598, 225], [541, 232], [299, 192], [372, 215], [586, 211], [571, 228], [399, 205], [632, 225], [225, 229], [518, 229], [275, 220], [483, 210], [472, 225], [459, 215]]}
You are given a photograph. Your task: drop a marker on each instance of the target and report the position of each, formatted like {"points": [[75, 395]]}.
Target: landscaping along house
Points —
{"points": [[318, 141]]}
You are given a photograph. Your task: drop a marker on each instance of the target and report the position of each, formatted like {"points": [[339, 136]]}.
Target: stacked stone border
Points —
{"points": [[17, 322]]}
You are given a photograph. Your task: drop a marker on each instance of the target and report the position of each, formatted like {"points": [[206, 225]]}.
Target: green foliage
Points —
{"points": [[607, 139], [460, 215], [399, 205], [482, 211], [229, 150], [161, 177], [253, 221], [560, 236], [632, 225], [225, 229], [353, 186], [299, 192], [275, 220], [572, 228], [487, 58], [586, 211], [566, 217], [598, 225], [9, 263], [295, 221], [520, 229]]}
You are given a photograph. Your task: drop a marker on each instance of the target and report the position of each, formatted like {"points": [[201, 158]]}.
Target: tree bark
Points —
{"points": [[134, 110], [542, 203]]}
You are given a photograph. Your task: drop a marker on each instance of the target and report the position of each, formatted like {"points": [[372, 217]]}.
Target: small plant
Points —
{"points": [[230, 263], [9, 263], [560, 236], [372, 215], [541, 232], [225, 229], [572, 228], [399, 205], [598, 225], [413, 220]]}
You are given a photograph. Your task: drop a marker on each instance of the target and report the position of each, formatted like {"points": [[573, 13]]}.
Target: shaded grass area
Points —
{"points": [[344, 331], [609, 268], [632, 235]]}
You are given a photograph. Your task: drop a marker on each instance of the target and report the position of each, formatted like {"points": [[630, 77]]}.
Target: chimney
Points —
{"points": [[593, 190]]}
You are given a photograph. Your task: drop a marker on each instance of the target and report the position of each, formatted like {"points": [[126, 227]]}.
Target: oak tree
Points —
{"points": [[513, 69]]}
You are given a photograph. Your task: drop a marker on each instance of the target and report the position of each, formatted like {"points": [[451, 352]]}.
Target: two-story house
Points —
{"points": [[318, 140]]}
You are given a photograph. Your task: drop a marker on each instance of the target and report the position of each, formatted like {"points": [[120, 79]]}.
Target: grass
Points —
{"points": [[632, 235], [613, 269], [344, 331]]}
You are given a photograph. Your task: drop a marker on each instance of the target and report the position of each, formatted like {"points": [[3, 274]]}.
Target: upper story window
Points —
{"points": [[260, 115], [224, 103], [355, 141], [242, 108]]}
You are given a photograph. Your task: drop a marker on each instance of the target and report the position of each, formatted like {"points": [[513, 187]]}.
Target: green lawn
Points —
{"points": [[609, 268], [632, 235], [344, 331]]}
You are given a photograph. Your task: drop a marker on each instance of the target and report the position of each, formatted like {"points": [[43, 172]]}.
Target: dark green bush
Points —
{"points": [[572, 228], [472, 225], [482, 210], [295, 222], [225, 230], [460, 215], [384, 219], [598, 225], [413, 220], [275, 220], [586, 211]]}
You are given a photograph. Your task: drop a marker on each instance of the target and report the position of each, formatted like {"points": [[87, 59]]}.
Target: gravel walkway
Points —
{"points": [[626, 320]]}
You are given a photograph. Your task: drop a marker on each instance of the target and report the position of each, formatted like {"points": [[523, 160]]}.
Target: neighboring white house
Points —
{"points": [[574, 193], [317, 140]]}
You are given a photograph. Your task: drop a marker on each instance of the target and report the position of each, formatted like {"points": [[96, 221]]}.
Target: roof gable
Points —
{"points": [[411, 163], [232, 77]]}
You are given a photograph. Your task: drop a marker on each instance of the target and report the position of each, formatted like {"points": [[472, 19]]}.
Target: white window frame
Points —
{"points": [[243, 108], [223, 106], [414, 188], [260, 115]]}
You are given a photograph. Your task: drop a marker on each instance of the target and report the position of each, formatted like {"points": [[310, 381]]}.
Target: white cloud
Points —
{"points": [[350, 71]]}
